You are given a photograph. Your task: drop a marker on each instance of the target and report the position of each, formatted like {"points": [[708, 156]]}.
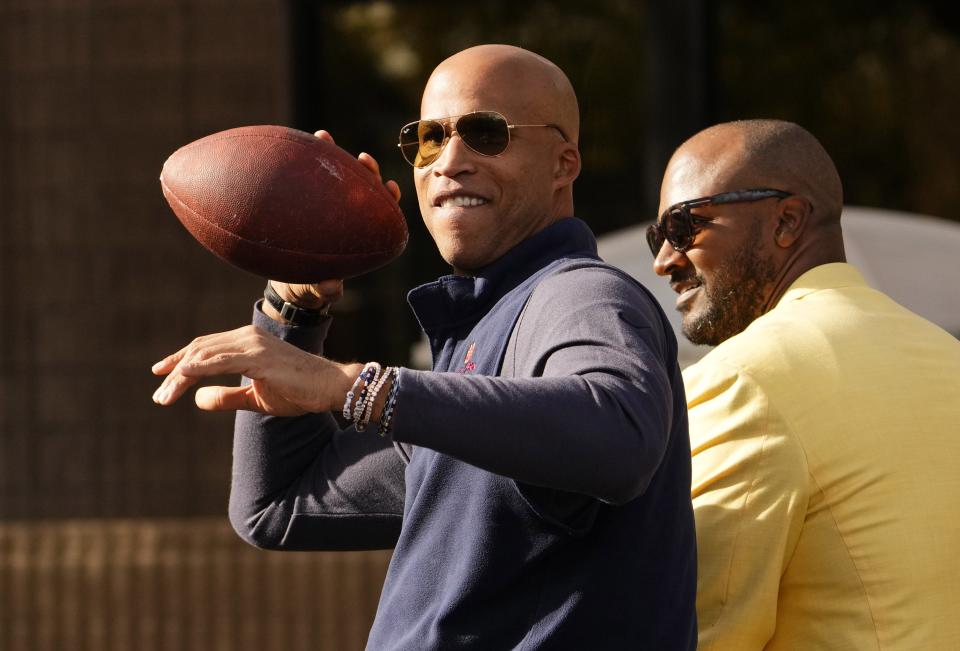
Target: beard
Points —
{"points": [[734, 297]]}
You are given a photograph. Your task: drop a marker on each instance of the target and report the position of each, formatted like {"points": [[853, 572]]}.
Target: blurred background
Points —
{"points": [[113, 530]]}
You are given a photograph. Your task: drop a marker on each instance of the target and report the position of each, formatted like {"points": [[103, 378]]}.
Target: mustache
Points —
{"points": [[681, 277]]}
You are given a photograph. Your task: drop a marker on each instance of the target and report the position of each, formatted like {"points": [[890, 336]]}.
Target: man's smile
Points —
{"points": [[686, 289], [459, 199]]}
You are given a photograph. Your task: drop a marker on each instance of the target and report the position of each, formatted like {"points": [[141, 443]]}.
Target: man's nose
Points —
{"points": [[455, 158], [668, 260]]}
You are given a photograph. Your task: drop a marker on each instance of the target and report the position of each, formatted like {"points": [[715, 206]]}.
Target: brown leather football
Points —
{"points": [[283, 204]]}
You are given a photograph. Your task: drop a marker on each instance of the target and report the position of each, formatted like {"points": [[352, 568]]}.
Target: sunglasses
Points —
{"points": [[679, 226], [484, 132]]}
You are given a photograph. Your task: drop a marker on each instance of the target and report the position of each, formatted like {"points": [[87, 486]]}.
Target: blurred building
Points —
{"points": [[113, 530]]}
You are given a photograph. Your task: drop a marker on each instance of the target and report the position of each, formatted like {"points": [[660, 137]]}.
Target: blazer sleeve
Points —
{"points": [[750, 492]]}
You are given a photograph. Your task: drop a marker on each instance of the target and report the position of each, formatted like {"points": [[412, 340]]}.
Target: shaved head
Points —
{"points": [[746, 253], [771, 153], [477, 206], [525, 86]]}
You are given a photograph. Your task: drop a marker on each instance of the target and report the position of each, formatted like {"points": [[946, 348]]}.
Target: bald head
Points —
{"points": [[773, 154], [749, 251], [524, 86], [476, 205]]}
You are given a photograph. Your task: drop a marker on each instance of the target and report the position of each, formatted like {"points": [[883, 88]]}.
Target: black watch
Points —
{"points": [[298, 316]]}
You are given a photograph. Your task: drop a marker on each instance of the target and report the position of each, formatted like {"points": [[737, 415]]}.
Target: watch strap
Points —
{"points": [[293, 314]]}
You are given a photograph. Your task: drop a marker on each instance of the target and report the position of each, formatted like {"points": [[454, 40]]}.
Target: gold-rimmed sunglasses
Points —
{"points": [[484, 132]]}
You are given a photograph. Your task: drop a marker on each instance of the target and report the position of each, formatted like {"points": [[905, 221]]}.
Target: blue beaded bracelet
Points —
{"points": [[386, 419]]}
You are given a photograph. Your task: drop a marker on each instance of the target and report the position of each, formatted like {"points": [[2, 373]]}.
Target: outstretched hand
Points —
{"points": [[285, 381]]}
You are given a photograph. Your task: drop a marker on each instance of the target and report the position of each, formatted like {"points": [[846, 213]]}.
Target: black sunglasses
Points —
{"points": [[678, 226], [485, 132]]}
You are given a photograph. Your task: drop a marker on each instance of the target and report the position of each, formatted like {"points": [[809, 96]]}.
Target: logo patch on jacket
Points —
{"points": [[469, 366]]}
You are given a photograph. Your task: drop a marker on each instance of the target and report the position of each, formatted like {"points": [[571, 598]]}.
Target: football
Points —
{"points": [[283, 204]]}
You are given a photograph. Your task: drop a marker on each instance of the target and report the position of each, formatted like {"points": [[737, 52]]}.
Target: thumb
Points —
{"points": [[227, 398]]}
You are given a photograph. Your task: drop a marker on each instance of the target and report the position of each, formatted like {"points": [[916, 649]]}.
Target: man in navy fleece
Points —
{"points": [[535, 485]]}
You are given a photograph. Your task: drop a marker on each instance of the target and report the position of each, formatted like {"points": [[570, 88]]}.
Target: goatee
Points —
{"points": [[734, 296]]}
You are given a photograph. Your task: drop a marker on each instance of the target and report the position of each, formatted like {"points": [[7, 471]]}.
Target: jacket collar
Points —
{"points": [[454, 301], [826, 276]]}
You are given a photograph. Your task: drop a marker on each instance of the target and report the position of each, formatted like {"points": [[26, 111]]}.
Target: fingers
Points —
{"points": [[330, 291], [184, 368], [227, 399], [188, 373], [323, 134], [370, 163], [282, 375], [167, 364], [394, 189], [310, 296], [219, 361], [173, 386]]}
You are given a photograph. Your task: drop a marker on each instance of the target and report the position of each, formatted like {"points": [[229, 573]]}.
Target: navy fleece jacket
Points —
{"points": [[537, 487]]}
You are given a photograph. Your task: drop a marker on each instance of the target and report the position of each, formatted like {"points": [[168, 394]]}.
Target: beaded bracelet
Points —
{"points": [[371, 398], [364, 396], [386, 419], [365, 389], [369, 373]]}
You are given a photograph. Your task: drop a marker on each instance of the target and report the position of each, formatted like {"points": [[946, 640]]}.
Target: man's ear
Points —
{"points": [[792, 218], [567, 167]]}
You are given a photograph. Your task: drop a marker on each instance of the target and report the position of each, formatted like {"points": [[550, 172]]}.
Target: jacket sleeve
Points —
{"points": [[750, 492], [595, 413], [303, 483]]}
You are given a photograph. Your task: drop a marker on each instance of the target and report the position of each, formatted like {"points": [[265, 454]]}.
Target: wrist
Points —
{"points": [[280, 308], [370, 397], [303, 300], [380, 401], [349, 374]]}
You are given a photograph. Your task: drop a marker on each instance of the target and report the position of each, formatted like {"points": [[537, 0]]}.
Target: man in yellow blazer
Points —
{"points": [[825, 425]]}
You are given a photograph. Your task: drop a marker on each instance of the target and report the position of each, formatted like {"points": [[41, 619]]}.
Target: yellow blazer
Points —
{"points": [[826, 475]]}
